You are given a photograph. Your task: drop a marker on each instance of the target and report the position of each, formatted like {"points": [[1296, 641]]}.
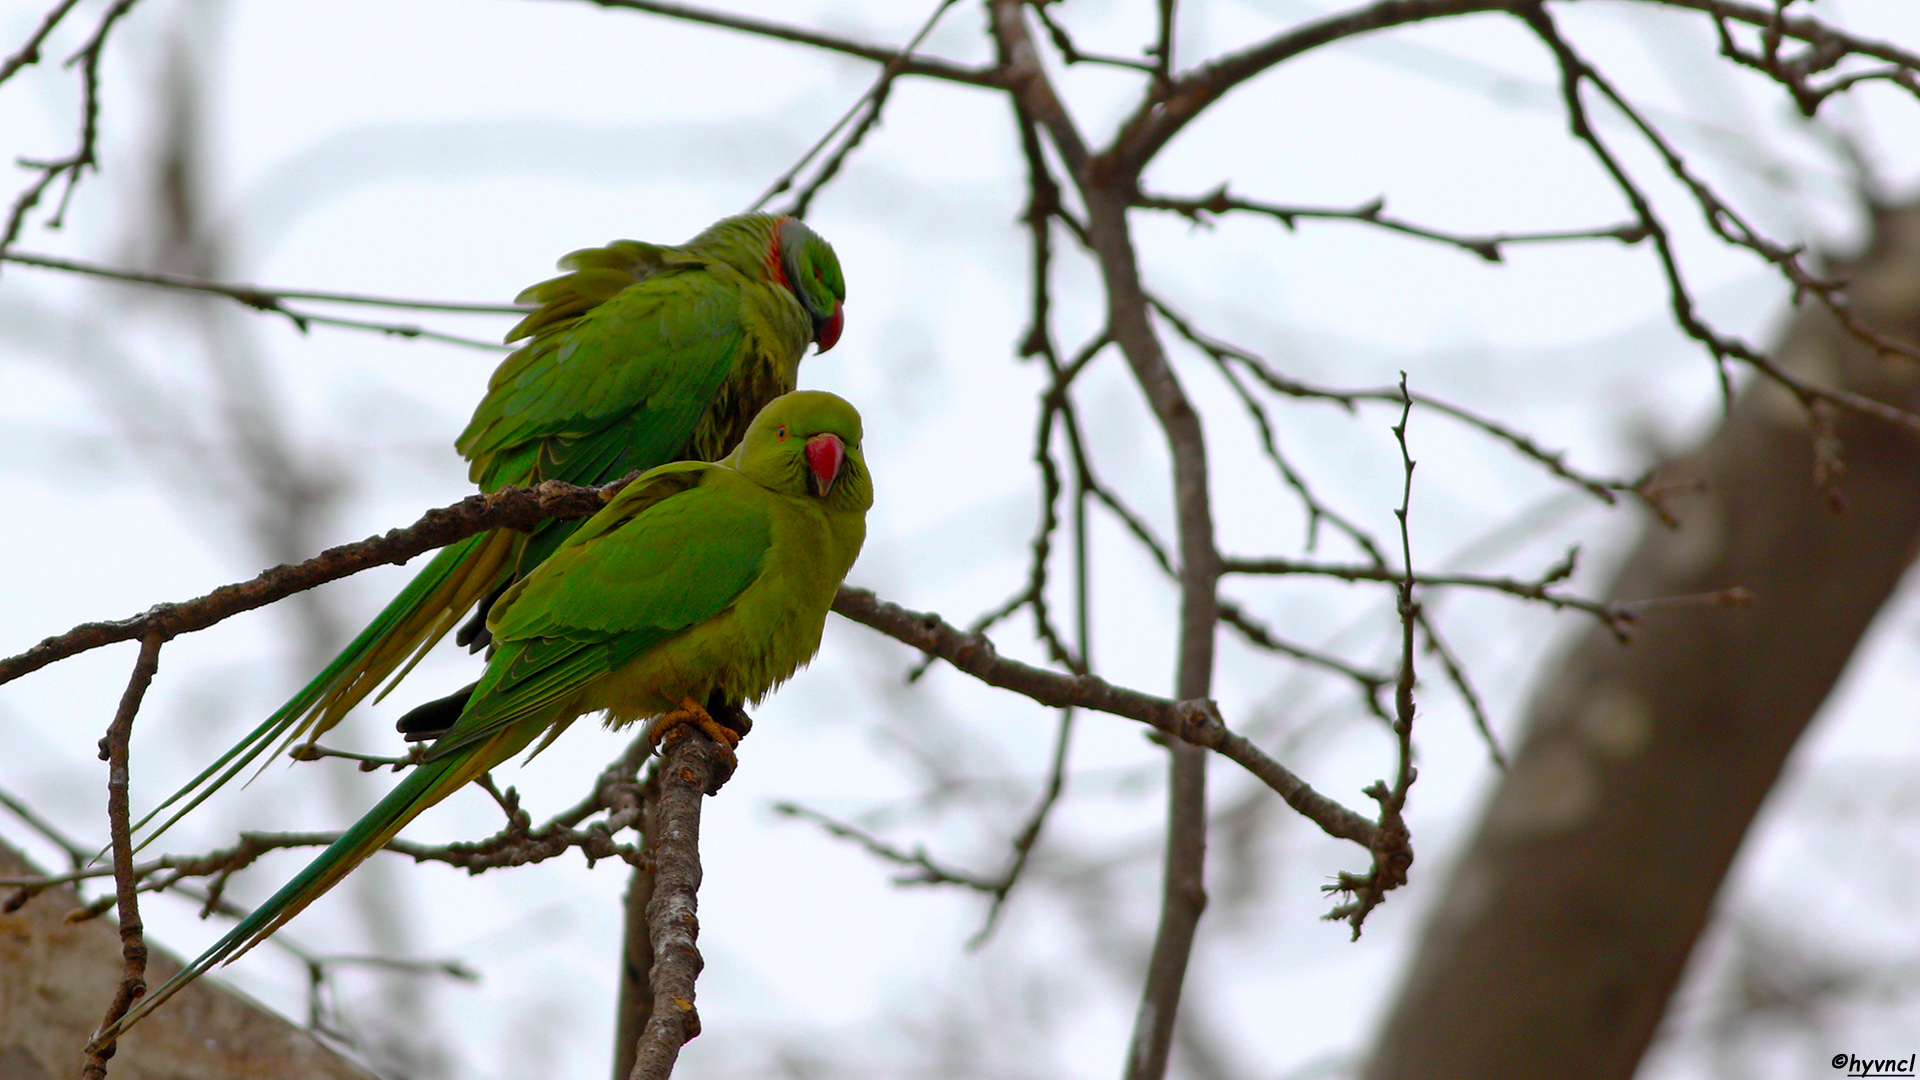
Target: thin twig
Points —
{"points": [[516, 844], [76, 855], [1822, 54], [257, 296], [1029, 835], [1392, 849], [1723, 222], [1156, 120], [873, 101], [133, 943], [311, 751], [272, 302], [1617, 617], [1224, 353], [1487, 246], [1369, 683], [1162, 50], [29, 53], [1069, 54], [84, 153], [1317, 509], [924, 66], [1160, 118], [1107, 192], [1456, 672], [925, 871]]}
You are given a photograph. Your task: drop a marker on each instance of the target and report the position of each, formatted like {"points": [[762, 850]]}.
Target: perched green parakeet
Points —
{"points": [[641, 355], [698, 582]]}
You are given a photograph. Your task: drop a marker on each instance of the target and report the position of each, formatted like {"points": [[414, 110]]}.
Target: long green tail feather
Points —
{"points": [[366, 836], [426, 785], [275, 728]]}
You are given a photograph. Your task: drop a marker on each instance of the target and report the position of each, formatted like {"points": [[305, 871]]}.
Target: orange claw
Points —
{"points": [[691, 712]]}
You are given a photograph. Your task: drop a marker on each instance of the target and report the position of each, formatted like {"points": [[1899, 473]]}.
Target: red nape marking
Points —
{"points": [[775, 267], [825, 456]]}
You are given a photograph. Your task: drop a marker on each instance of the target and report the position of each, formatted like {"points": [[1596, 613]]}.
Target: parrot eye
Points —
{"points": [[781, 433]]}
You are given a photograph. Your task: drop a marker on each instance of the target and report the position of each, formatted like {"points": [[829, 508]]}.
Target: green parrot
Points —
{"points": [[642, 355], [699, 582]]}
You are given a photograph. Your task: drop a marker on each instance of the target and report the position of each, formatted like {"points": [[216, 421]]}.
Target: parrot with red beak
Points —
{"points": [[641, 354], [700, 584]]}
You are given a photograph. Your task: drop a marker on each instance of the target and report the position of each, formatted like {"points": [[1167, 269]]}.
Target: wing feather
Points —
{"points": [[662, 557], [621, 380]]}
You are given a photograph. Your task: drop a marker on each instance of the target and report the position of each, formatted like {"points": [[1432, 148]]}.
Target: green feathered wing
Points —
{"points": [[641, 354], [696, 578]]}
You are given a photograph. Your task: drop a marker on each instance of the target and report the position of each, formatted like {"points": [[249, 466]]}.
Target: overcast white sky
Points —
{"points": [[454, 150]]}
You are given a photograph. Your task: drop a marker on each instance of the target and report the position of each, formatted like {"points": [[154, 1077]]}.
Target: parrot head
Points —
{"points": [[812, 271], [808, 443]]}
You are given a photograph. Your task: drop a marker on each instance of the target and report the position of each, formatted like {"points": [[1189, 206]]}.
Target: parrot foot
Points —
{"points": [[670, 728]]}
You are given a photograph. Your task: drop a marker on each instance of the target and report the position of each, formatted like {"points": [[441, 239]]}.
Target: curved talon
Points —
{"points": [[690, 712], [664, 730]]}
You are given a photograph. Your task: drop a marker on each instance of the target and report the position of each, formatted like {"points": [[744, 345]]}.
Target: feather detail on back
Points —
{"points": [[640, 354], [702, 581]]}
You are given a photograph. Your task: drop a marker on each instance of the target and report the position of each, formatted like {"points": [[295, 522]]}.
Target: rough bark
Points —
{"points": [[635, 1006], [57, 977], [1568, 920]]}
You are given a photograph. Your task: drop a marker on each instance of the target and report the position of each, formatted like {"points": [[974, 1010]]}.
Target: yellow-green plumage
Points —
{"points": [[698, 581], [640, 355]]}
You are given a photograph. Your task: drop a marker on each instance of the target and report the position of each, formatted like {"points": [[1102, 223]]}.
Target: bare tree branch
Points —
{"points": [[519, 843], [1196, 722], [1617, 617], [1370, 683], [927, 66], [272, 301], [29, 52], [1585, 854], [1825, 39], [511, 508], [1392, 850], [1021, 74], [1602, 488], [925, 871], [687, 774], [1218, 202], [873, 101], [928, 871], [1722, 221], [83, 156], [1072, 55], [1157, 120], [133, 942], [1162, 49], [255, 296]]}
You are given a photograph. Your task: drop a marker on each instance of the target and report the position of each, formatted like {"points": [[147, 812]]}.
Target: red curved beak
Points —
{"points": [[830, 330], [826, 455]]}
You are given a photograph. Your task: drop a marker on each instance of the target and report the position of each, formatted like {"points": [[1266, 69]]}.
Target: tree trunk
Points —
{"points": [[1569, 916], [56, 979]]}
